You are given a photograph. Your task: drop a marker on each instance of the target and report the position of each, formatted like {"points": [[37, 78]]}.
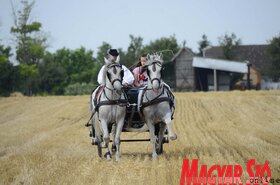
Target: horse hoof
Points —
{"points": [[118, 158], [155, 156], [174, 137], [108, 155], [114, 148], [104, 144]]}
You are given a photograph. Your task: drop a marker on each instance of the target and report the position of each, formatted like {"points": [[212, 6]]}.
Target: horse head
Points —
{"points": [[154, 70], [114, 73]]}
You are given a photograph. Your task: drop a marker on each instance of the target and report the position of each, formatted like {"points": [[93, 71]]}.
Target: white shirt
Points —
{"points": [[128, 77]]}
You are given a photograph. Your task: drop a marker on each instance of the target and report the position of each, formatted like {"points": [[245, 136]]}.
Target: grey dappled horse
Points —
{"points": [[155, 103], [110, 107]]}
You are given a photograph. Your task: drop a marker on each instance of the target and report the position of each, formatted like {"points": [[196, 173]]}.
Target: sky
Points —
{"points": [[88, 23]]}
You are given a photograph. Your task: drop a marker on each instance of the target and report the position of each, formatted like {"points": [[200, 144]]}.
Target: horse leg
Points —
{"points": [[97, 131], [160, 137], [153, 138], [113, 133], [167, 120], [106, 139], [117, 140], [108, 155]]}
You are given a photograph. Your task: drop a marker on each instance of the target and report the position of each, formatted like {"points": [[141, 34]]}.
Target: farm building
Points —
{"points": [[255, 54], [212, 72], [215, 74], [184, 72]]}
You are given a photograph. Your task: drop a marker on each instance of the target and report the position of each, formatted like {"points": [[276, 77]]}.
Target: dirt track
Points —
{"points": [[44, 141]]}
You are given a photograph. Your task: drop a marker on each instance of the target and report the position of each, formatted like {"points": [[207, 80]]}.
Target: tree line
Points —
{"points": [[74, 71]]}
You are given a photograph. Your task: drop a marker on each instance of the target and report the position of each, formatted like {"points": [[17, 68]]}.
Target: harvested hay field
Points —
{"points": [[44, 141]]}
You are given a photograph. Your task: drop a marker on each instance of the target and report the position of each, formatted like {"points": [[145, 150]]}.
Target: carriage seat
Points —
{"points": [[133, 118], [132, 97]]}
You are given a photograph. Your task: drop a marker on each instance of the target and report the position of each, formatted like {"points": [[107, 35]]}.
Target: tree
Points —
{"points": [[134, 51], [167, 45], [79, 66], [101, 53], [30, 45], [82, 63], [228, 42], [6, 71], [203, 44], [29, 73], [273, 54], [52, 76]]}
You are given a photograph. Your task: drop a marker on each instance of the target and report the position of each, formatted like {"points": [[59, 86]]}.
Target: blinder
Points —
{"points": [[122, 74], [154, 69], [115, 71]]}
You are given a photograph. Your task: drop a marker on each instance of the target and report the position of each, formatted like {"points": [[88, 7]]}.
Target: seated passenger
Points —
{"points": [[140, 73]]}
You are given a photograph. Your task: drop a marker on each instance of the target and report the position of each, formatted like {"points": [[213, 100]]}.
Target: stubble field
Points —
{"points": [[43, 139]]}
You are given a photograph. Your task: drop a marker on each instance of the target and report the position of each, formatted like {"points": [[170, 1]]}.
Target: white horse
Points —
{"points": [[110, 108], [156, 102]]}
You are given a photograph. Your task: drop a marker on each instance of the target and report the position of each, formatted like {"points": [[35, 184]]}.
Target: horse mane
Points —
{"points": [[103, 75], [155, 57]]}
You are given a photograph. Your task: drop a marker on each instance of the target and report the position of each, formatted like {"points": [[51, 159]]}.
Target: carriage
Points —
{"points": [[116, 109], [133, 123]]}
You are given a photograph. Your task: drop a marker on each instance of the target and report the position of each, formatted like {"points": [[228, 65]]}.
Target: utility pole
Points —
{"points": [[248, 75], [215, 80]]}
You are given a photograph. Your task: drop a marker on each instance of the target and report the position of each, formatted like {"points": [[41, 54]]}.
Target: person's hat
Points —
{"points": [[113, 52]]}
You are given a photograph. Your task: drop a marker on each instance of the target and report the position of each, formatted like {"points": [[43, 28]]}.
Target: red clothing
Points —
{"points": [[141, 78]]}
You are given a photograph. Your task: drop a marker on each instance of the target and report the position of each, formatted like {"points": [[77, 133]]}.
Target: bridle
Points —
{"points": [[119, 101], [114, 66], [153, 64]]}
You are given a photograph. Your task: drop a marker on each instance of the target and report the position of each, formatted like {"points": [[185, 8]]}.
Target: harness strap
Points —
{"points": [[98, 103], [98, 89], [98, 95], [87, 124], [155, 101], [120, 102]]}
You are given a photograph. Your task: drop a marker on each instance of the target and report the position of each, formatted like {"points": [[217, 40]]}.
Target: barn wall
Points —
{"points": [[184, 72]]}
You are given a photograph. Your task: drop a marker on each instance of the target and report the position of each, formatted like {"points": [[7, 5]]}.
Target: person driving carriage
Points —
{"points": [[112, 56]]}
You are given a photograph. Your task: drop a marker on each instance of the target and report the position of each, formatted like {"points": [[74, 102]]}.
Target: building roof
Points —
{"points": [[255, 54], [223, 65], [180, 51]]}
